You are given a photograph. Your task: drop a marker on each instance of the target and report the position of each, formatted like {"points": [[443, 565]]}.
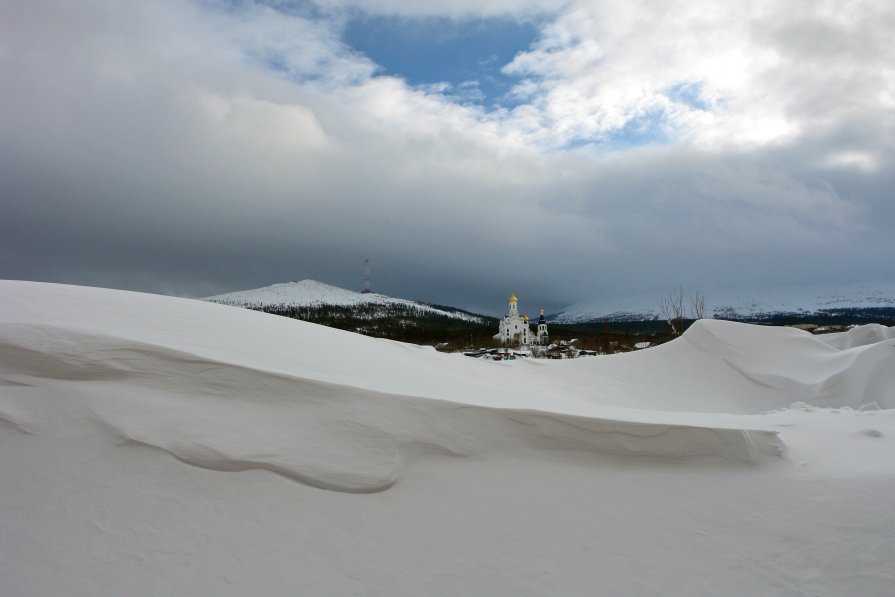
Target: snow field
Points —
{"points": [[152, 445]]}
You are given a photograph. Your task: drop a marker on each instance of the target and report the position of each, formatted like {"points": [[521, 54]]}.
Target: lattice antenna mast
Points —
{"points": [[367, 288]]}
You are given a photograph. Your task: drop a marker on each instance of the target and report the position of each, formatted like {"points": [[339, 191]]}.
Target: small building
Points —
{"points": [[514, 328]]}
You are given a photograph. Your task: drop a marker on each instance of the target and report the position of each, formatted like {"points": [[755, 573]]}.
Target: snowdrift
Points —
{"points": [[297, 416], [96, 382], [231, 418], [859, 336], [230, 390]]}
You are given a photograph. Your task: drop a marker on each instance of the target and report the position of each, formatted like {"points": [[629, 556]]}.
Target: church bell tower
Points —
{"points": [[542, 329]]}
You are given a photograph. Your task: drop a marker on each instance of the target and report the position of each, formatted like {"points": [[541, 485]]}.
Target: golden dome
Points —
{"points": [[513, 298], [525, 317]]}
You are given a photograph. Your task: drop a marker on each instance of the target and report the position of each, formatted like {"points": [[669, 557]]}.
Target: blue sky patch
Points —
{"points": [[689, 94], [649, 128], [467, 53]]}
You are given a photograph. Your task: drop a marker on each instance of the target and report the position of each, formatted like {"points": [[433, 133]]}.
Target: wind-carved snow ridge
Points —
{"points": [[859, 336], [232, 390], [324, 435], [310, 293], [851, 369]]}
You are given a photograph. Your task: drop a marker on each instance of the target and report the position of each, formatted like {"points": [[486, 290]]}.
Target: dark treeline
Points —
{"points": [[838, 317], [394, 322], [419, 326], [611, 337]]}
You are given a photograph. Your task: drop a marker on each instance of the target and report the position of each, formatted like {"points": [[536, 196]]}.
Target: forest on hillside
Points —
{"points": [[451, 334]]}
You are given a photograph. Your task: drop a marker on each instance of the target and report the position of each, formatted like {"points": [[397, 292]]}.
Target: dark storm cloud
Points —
{"points": [[147, 147]]}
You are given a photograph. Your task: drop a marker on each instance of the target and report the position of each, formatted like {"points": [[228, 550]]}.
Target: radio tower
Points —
{"points": [[367, 289]]}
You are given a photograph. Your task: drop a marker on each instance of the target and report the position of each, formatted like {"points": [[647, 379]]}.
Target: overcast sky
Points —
{"points": [[562, 150]]}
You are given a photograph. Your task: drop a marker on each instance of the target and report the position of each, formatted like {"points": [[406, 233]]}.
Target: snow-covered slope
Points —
{"points": [[153, 445], [734, 303], [308, 293]]}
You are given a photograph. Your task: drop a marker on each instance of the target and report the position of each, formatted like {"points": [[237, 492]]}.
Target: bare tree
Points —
{"points": [[697, 305], [671, 307]]}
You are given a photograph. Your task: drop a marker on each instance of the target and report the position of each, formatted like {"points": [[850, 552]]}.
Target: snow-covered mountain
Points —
{"points": [[311, 293], [732, 303]]}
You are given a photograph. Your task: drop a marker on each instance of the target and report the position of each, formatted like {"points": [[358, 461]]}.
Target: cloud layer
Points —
{"points": [[194, 148]]}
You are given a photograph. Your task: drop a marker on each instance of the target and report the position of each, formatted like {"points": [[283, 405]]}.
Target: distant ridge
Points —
{"points": [[311, 293], [738, 304]]}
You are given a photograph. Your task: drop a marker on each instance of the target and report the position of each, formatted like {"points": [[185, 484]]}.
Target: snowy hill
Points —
{"points": [[730, 303], [154, 445], [310, 293]]}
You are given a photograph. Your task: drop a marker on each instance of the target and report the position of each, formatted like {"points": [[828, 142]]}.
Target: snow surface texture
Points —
{"points": [[308, 293], [737, 303], [154, 446]]}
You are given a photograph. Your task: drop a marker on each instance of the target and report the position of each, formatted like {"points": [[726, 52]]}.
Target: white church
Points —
{"points": [[514, 328]]}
